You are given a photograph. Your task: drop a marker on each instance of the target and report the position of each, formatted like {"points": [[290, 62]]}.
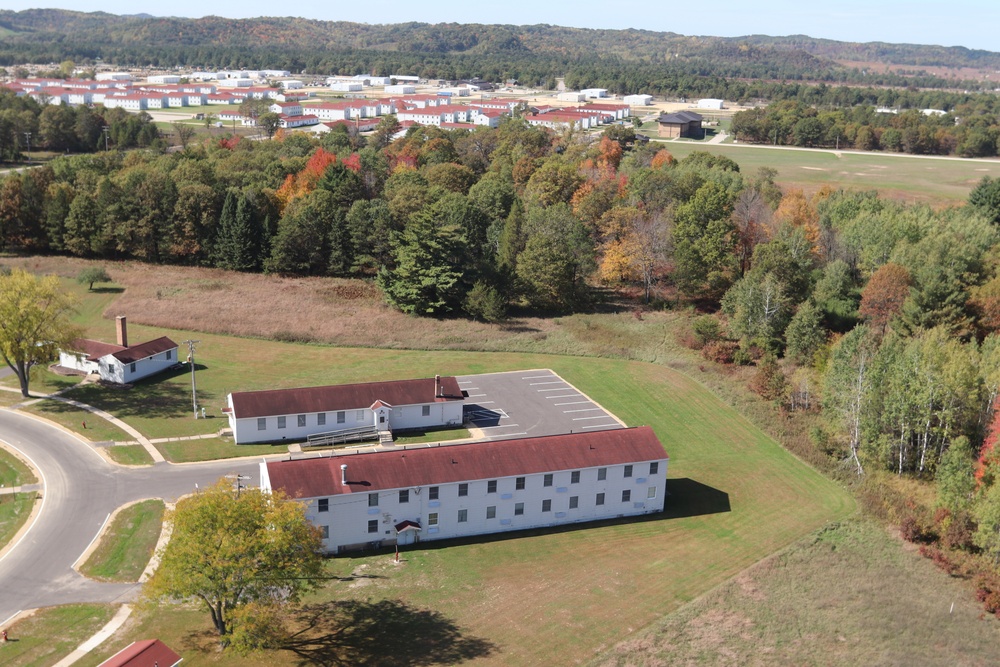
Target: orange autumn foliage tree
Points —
{"points": [[798, 211], [610, 154], [663, 158], [989, 455], [304, 182]]}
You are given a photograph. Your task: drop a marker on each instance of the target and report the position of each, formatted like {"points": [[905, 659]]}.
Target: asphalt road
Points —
{"points": [[80, 489]]}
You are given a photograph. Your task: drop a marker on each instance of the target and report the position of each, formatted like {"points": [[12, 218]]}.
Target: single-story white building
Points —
{"points": [[594, 93], [710, 103], [120, 363], [400, 89], [638, 100], [295, 414], [570, 96], [424, 493]]}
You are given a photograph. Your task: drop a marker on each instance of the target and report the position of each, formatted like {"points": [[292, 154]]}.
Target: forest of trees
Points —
{"points": [[969, 129]]}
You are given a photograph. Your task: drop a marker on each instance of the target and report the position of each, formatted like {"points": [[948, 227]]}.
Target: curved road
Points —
{"points": [[80, 489]]}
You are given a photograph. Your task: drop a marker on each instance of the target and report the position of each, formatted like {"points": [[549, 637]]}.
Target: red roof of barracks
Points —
{"points": [[378, 471]]}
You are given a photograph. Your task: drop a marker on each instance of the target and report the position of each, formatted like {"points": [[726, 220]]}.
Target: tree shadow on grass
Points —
{"points": [[387, 633], [107, 290]]}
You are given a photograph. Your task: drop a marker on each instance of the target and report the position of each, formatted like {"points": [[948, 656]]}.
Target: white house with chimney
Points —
{"points": [[120, 363], [296, 414], [420, 493]]}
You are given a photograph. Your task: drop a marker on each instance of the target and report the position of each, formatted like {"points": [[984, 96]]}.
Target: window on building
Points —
{"points": [[425, 410], [518, 509], [574, 502], [325, 532], [628, 470], [432, 519], [432, 493], [546, 505], [301, 421], [491, 512], [170, 355], [323, 505], [463, 489], [600, 499], [602, 474], [463, 516], [360, 416], [547, 480], [626, 495], [321, 419], [281, 422], [373, 526], [651, 492], [261, 423], [372, 500], [404, 496], [654, 467], [574, 477], [131, 367], [519, 484], [491, 486], [341, 417]]}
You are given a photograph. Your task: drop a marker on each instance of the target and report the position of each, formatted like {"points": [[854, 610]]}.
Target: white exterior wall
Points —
{"points": [[163, 78], [112, 370], [347, 87], [292, 84], [571, 97], [77, 360], [400, 90], [247, 430], [348, 515], [594, 93], [638, 100], [709, 103]]}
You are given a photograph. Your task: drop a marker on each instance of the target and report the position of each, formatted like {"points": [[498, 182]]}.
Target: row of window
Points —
{"points": [[491, 511], [169, 356], [425, 410]]}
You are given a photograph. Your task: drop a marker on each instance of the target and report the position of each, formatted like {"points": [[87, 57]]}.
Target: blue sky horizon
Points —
{"points": [[968, 23]]}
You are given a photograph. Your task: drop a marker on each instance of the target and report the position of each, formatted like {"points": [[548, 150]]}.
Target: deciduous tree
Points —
{"points": [[231, 548]]}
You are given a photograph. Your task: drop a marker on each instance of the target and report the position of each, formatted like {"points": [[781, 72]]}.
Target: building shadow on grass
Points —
{"points": [[690, 498], [387, 633]]}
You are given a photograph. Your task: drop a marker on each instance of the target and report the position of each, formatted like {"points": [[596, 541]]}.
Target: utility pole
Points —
{"points": [[106, 130], [27, 137], [194, 390]]}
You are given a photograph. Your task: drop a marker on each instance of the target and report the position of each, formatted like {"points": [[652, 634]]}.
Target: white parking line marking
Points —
{"points": [[573, 403], [508, 435], [484, 402], [565, 396], [532, 384], [475, 395], [469, 388], [501, 425], [566, 412], [580, 419], [466, 381], [602, 426], [559, 389], [538, 377]]}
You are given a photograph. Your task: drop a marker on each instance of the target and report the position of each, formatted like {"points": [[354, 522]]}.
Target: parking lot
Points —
{"points": [[521, 404]]}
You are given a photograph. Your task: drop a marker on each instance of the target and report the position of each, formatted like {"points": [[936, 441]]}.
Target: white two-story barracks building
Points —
{"points": [[295, 414], [417, 494]]}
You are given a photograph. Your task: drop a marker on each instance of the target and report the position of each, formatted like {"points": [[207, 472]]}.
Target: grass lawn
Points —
{"points": [[14, 509], [41, 381], [934, 181], [127, 544], [130, 455], [209, 449], [73, 418], [414, 437], [817, 603], [736, 496], [50, 634]]}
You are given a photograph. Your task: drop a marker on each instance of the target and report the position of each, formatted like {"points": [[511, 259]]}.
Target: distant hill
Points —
{"points": [[534, 53]]}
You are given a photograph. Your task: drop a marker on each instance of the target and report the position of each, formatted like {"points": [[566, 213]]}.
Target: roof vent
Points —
{"points": [[343, 474]]}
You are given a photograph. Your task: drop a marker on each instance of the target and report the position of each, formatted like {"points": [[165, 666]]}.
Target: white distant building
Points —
{"points": [[405, 78], [638, 100], [710, 103], [292, 84], [400, 89], [275, 73], [113, 76], [163, 79], [424, 493], [347, 86], [933, 112], [570, 96], [235, 83], [594, 93]]}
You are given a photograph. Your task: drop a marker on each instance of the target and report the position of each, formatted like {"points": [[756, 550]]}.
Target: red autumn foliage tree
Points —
{"points": [[305, 181], [989, 455], [884, 295]]}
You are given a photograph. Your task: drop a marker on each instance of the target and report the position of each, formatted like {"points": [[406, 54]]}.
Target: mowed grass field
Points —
{"points": [[936, 181], [559, 597]]}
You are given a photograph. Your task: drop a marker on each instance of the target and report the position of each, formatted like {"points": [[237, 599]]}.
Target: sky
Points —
{"points": [[969, 23]]}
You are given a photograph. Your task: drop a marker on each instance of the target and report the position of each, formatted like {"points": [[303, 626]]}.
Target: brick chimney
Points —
{"points": [[122, 328], [437, 386]]}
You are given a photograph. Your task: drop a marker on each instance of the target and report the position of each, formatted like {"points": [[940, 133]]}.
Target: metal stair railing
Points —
{"points": [[342, 436]]}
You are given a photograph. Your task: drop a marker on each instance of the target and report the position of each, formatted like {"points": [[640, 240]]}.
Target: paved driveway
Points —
{"points": [[522, 404], [80, 489]]}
